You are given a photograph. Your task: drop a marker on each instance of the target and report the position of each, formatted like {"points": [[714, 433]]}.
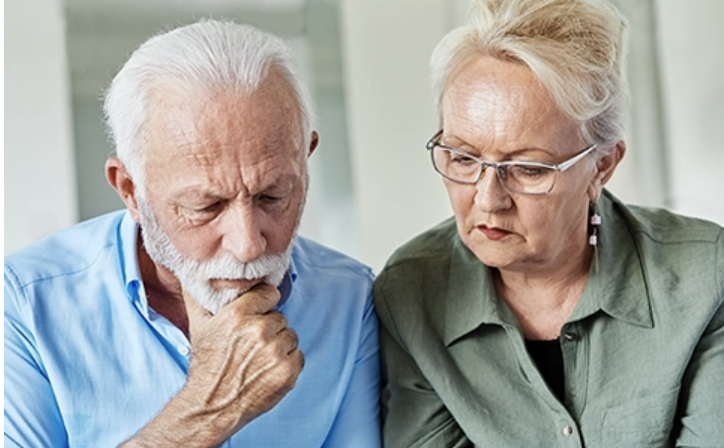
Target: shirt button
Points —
{"points": [[570, 336], [567, 431], [183, 350]]}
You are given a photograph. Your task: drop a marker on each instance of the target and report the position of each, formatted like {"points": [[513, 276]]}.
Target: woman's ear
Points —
{"points": [[121, 181], [605, 167]]}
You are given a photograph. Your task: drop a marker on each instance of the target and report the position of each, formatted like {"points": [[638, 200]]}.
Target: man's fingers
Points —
{"points": [[260, 299], [197, 314], [298, 359], [292, 340], [275, 321]]}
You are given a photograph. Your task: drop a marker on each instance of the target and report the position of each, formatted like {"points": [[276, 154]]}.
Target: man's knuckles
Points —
{"points": [[259, 300]]}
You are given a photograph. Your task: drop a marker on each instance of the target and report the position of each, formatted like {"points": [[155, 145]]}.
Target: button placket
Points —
{"points": [[576, 363]]}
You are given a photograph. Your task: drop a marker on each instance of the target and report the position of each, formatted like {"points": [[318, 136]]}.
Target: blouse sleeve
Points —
{"points": [[701, 404], [413, 413]]}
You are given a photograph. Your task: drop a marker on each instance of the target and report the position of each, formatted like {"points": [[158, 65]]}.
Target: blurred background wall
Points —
{"points": [[366, 62]]}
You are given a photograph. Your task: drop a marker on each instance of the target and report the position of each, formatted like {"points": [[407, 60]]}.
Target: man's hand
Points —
{"points": [[244, 361]]}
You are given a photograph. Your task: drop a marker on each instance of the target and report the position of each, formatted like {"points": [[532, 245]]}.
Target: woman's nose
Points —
{"points": [[490, 194]]}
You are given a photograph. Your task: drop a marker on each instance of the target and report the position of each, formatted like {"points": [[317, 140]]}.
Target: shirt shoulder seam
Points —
{"points": [[26, 283]]}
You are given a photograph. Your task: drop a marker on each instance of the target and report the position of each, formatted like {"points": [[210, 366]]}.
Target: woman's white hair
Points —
{"points": [[211, 55], [576, 48]]}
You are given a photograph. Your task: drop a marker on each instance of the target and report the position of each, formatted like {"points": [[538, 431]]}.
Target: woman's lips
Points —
{"points": [[493, 233]]}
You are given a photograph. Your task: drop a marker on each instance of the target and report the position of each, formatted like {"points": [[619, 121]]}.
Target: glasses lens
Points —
{"points": [[528, 179], [455, 165], [523, 178]]}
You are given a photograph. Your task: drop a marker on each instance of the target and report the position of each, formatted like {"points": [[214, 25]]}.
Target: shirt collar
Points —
{"points": [[287, 284], [471, 297], [128, 236], [617, 286]]}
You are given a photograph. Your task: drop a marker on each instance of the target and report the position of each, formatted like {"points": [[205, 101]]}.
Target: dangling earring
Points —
{"points": [[594, 221]]}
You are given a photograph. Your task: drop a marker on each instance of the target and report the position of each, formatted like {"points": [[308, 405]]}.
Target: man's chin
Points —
{"points": [[214, 294]]}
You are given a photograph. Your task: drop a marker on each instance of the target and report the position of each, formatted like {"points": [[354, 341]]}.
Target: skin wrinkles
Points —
{"points": [[225, 183], [225, 176], [216, 163], [497, 110], [537, 245]]}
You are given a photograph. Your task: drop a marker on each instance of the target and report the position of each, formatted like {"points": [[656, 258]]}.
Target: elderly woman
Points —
{"points": [[547, 313]]}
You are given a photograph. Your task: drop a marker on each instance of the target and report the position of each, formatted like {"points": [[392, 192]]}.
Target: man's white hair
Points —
{"points": [[209, 56]]}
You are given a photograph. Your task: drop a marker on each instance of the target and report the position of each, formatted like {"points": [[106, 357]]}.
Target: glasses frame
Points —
{"points": [[499, 166]]}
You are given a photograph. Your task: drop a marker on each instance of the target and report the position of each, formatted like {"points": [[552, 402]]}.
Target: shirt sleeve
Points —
{"points": [[701, 405], [702, 400], [357, 424], [413, 413], [32, 417]]}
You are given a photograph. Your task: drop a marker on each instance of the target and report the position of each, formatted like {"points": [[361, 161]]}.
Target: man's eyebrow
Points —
{"points": [[284, 182]]}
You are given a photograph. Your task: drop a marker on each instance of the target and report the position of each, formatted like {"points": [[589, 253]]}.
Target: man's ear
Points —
{"points": [[313, 143], [121, 181], [605, 167]]}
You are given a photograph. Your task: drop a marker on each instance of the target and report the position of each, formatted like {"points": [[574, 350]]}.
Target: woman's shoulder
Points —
{"points": [[419, 267], [662, 226], [666, 226], [408, 291], [669, 243], [433, 245]]}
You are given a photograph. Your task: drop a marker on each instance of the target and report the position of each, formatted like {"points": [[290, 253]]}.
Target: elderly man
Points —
{"points": [[196, 317]]}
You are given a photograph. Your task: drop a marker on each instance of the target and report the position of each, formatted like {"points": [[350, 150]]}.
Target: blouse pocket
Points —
{"points": [[644, 422]]}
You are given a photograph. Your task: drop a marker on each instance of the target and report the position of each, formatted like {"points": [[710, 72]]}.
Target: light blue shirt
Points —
{"points": [[89, 363]]}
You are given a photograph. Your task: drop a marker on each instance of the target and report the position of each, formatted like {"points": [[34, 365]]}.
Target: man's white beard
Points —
{"points": [[195, 276]]}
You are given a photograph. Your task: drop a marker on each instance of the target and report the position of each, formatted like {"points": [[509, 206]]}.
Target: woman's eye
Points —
{"points": [[462, 159], [527, 170]]}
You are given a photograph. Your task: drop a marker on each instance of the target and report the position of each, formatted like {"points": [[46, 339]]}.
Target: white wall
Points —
{"points": [[692, 63], [386, 49], [675, 147], [386, 45], [40, 194]]}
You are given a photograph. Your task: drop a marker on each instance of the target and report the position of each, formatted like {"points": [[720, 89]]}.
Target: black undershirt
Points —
{"points": [[548, 356]]}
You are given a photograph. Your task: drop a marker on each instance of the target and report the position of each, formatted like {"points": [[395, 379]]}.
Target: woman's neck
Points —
{"points": [[543, 301]]}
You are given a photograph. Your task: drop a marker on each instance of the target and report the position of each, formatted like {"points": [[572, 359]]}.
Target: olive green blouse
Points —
{"points": [[643, 351]]}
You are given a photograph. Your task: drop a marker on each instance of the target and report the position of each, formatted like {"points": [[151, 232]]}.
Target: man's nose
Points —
{"points": [[243, 234], [490, 196]]}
